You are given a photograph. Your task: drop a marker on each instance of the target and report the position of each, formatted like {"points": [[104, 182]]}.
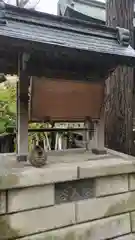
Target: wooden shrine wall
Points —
{"points": [[64, 100]]}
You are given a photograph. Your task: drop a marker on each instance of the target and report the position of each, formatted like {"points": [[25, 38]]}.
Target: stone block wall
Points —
{"points": [[81, 208]]}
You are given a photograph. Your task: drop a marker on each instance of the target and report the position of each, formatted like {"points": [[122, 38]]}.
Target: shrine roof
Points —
{"points": [[31, 31]]}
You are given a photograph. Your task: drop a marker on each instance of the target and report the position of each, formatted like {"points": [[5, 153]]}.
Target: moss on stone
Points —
{"points": [[49, 238], [122, 205], [6, 231], [70, 236], [8, 180], [87, 234], [80, 237]]}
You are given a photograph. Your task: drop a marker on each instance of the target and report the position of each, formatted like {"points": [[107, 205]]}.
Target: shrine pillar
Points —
{"points": [[22, 111], [98, 140]]}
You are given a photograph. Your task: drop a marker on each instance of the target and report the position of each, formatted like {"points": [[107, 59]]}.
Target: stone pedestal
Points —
{"points": [[84, 199]]}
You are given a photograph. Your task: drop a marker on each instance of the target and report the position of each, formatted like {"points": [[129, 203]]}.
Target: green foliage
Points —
{"points": [[36, 137], [7, 106]]}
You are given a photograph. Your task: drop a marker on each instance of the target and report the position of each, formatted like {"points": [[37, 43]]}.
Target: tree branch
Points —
{"points": [[17, 3]]}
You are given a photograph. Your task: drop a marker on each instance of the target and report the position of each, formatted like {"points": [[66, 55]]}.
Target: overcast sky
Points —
{"points": [[49, 6]]}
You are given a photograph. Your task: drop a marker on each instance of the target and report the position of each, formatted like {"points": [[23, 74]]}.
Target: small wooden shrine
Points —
{"points": [[64, 62]]}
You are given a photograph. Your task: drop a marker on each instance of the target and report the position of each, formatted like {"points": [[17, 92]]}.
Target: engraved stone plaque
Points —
{"points": [[74, 191]]}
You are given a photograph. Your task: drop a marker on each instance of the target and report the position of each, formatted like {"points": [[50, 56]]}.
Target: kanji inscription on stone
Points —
{"points": [[74, 191]]}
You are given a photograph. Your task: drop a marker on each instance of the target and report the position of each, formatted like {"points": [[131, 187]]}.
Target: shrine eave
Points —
{"points": [[67, 43]]}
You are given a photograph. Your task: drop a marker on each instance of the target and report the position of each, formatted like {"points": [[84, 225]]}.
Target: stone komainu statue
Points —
{"points": [[38, 156]]}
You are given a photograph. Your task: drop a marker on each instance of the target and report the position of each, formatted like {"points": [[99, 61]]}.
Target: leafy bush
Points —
{"points": [[7, 106]]}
